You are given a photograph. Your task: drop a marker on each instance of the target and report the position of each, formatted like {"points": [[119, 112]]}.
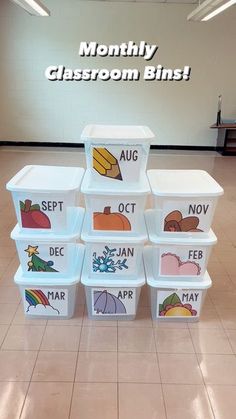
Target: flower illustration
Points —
{"points": [[106, 262]]}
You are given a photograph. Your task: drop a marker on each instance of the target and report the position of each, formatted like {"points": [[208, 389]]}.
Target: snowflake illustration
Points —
{"points": [[106, 262]]}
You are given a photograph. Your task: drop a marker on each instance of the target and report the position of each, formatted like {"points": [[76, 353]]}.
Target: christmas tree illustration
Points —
{"points": [[36, 264]]}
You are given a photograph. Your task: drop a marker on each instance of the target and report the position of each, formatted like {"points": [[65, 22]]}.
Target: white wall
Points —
{"points": [[34, 109]]}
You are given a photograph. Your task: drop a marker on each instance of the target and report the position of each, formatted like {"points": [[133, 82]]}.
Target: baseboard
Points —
{"points": [[80, 145]]}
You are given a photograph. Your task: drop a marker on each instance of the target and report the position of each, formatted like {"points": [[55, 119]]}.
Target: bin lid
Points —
{"points": [[107, 237], [35, 178], [49, 279], [76, 220], [208, 239], [130, 189], [120, 134], [183, 183], [203, 283], [115, 281]]}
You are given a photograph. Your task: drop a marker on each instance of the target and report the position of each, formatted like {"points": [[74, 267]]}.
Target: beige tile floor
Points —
{"points": [[81, 369]]}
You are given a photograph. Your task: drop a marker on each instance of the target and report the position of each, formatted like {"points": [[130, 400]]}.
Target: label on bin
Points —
{"points": [[46, 301], [187, 216], [183, 261], [179, 303], [113, 301], [43, 258], [117, 162], [113, 259], [44, 212], [116, 215]]}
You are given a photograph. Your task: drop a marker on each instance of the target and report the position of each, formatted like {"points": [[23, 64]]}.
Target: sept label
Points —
{"points": [[179, 303], [113, 301], [116, 163], [46, 302], [182, 261], [187, 216], [113, 259]]}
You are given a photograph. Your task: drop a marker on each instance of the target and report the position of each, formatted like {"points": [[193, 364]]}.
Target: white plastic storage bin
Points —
{"points": [[116, 154], [113, 299], [175, 300], [111, 257], [44, 196], [174, 257], [41, 254], [112, 211], [184, 201], [48, 297]]}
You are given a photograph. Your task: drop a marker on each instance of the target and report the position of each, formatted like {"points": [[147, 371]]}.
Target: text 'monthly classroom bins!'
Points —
{"points": [[115, 187], [49, 226]]}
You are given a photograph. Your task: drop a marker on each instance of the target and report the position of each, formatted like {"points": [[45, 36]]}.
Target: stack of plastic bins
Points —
{"points": [[115, 187], [49, 226], [180, 231]]}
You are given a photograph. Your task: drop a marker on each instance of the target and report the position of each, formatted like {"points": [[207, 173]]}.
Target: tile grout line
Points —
{"points": [[30, 380], [159, 369], [76, 365]]}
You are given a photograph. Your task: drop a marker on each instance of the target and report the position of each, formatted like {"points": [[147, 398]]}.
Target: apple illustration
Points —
{"points": [[32, 216]]}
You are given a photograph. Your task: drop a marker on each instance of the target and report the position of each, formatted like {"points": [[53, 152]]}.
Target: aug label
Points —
{"points": [[113, 259], [187, 216], [181, 303], [182, 261], [113, 301], [46, 301], [116, 163]]}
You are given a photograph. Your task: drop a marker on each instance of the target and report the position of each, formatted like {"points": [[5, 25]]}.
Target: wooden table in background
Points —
{"points": [[226, 138]]}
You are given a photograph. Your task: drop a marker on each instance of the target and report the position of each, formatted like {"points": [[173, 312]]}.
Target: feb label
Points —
{"points": [[117, 163], [187, 216], [46, 302], [181, 303], [182, 261], [113, 301]]}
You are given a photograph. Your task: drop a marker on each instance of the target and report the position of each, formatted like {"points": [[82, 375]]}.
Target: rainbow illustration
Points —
{"points": [[35, 297]]}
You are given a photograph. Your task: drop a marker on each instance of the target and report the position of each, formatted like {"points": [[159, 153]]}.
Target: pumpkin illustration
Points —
{"points": [[108, 220]]}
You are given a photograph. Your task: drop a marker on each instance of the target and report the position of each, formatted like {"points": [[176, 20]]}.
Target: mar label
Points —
{"points": [[113, 301], [179, 303], [46, 301], [186, 216], [117, 163]]}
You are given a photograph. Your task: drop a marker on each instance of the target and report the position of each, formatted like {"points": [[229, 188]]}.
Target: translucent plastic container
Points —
{"points": [[49, 254], [116, 154], [44, 197], [113, 257], [112, 299], [109, 210], [184, 201], [175, 300], [174, 257], [50, 297]]}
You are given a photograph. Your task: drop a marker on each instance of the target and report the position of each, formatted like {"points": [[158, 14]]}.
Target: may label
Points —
{"points": [[182, 261], [46, 302], [117, 163], [113, 259], [186, 216], [181, 303], [113, 301]]}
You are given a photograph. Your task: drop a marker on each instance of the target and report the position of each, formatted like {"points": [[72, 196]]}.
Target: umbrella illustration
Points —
{"points": [[107, 303], [35, 297]]}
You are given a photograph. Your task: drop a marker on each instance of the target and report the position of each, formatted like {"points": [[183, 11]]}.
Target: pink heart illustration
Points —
{"points": [[172, 265]]}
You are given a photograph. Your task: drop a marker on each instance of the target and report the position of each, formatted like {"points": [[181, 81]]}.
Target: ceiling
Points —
{"points": [[157, 1]]}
